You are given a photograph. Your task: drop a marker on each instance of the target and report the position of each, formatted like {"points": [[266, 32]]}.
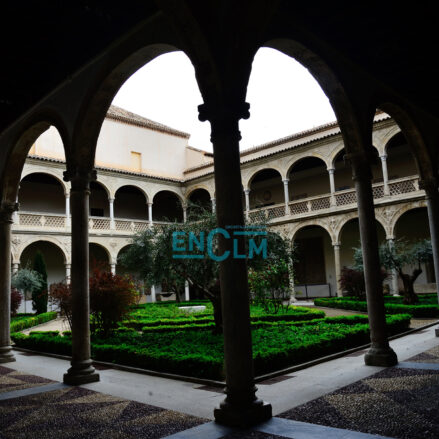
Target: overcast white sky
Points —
{"points": [[284, 98]]}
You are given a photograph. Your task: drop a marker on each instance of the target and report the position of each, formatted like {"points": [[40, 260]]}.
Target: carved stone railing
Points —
{"points": [[41, 220], [96, 224], [402, 187]]}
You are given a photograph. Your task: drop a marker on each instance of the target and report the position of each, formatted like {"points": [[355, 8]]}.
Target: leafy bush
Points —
{"points": [[353, 284], [270, 286], [15, 301], [21, 322], [111, 296]]}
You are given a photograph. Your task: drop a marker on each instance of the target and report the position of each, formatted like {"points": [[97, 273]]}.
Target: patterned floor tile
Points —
{"points": [[79, 413], [11, 380]]}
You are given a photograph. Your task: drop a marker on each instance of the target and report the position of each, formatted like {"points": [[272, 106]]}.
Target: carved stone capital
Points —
{"points": [[6, 210], [430, 185], [80, 178], [224, 119]]}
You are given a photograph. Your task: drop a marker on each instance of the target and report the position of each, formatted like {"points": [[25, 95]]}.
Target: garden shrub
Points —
{"points": [[15, 301], [111, 297]]}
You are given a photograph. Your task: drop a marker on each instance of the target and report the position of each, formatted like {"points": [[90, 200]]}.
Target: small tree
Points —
{"points": [[400, 255], [352, 282], [270, 286], [60, 295], [15, 301], [26, 280], [111, 296], [40, 294]]}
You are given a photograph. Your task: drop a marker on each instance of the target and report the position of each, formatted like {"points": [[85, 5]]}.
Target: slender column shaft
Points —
{"points": [[113, 268], [81, 371], [380, 353], [15, 267], [337, 268], [432, 195], [331, 180], [184, 214], [111, 204], [150, 213], [68, 273], [240, 407], [186, 291], [385, 174], [286, 195], [68, 217], [6, 211], [213, 204], [332, 188], [394, 273], [153, 296], [247, 202]]}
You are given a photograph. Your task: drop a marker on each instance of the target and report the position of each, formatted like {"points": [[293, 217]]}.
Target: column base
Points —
{"points": [[6, 355], [383, 357], [239, 416], [81, 373]]}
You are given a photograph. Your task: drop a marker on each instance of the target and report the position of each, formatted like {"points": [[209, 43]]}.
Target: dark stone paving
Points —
{"points": [[396, 402], [12, 380], [78, 413]]}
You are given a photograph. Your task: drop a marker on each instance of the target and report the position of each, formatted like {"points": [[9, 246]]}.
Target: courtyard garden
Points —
{"points": [[163, 338]]}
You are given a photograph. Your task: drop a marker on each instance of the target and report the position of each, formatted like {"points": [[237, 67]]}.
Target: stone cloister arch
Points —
{"points": [[42, 192], [264, 188], [222, 72], [131, 202], [168, 206]]}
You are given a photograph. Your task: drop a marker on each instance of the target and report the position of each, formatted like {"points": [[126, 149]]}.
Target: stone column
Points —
{"points": [[81, 370], [241, 406], [113, 268], [430, 187], [153, 296], [6, 212], [286, 195], [332, 187], [68, 273], [394, 273], [247, 203], [15, 267], [111, 204], [68, 219], [184, 213], [336, 246], [380, 353], [213, 204], [186, 291], [150, 214], [385, 174]]}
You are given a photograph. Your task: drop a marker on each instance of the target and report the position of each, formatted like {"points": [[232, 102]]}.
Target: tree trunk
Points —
{"points": [[217, 314], [410, 297]]}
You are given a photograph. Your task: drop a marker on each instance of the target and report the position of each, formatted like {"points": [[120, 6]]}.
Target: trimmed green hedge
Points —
{"points": [[205, 320], [391, 308], [27, 321], [200, 353]]}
